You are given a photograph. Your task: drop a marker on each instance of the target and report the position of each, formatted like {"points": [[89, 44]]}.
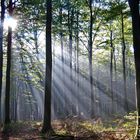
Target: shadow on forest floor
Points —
{"points": [[68, 129]]}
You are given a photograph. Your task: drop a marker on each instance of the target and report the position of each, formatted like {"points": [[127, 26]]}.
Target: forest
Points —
{"points": [[70, 70]]}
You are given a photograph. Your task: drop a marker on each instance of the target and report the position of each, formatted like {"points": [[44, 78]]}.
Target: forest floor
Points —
{"points": [[69, 129]]}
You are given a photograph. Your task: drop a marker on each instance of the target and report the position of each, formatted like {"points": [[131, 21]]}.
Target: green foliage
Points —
{"points": [[128, 124], [97, 127]]}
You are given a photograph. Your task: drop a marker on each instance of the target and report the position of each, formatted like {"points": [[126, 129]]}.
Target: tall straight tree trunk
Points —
{"points": [[115, 65], [77, 41], [62, 45], [111, 69], [71, 58], [1, 49], [90, 57], [70, 24], [124, 63], [15, 101], [9, 45], [134, 6], [77, 62], [65, 107], [116, 102], [61, 33], [48, 73]]}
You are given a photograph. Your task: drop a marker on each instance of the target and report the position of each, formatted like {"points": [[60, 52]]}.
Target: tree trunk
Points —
{"points": [[134, 6], [115, 72], [48, 73], [1, 49], [124, 64], [90, 57], [62, 59], [111, 69], [77, 63], [61, 33], [9, 45], [115, 65], [70, 25]]}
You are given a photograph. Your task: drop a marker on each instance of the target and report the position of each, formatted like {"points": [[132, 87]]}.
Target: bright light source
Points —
{"points": [[57, 49], [10, 22]]}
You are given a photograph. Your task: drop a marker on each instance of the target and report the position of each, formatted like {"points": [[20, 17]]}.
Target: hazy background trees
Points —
{"points": [[93, 71]]}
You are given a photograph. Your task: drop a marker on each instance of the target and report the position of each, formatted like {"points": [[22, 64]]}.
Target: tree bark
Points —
{"points": [[111, 69], [124, 64], [70, 26], [62, 56], [9, 45], [48, 73], [90, 57], [77, 62], [1, 49], [134, 6]]}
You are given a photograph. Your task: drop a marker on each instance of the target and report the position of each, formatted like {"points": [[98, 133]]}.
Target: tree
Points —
{"points": [[77, 59], [124, 61], [134, 6], [48, 71], [90, 48], [111, 66], [1, 48], [9, 45]]}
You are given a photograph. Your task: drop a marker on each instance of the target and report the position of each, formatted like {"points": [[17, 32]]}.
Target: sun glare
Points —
{"points": [[10, 22]]}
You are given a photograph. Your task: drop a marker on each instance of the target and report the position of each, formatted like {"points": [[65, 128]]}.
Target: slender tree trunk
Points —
{"points": [[111, 69], [1, 49], [90, 58], [130, 72], [115, 65], [70, 36], [62, 58], [9, 45], [124, 64], [15, 100], [48, 73], [61, 33], [116, 102], [77, 62], [70, 24], [77, 41], [134, 6]]}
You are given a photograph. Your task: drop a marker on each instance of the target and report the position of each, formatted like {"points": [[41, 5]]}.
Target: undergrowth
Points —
{"points": [[118, 129]]}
